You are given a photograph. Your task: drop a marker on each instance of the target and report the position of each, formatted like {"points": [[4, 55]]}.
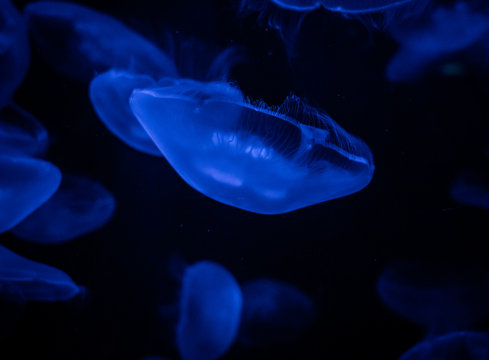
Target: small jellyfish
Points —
{"points": [[273, 313], [27, 280], [80, 206], [472, 189], [21, 133], [454, 346], [79, 42], [210, 311], [440, 34], [259, 159], [14, 50], [109, 93], [25, 184], [439, 297]]}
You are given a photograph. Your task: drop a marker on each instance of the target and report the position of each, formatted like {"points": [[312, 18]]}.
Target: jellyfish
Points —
{"points": [[80, 206], [109, 93], [25, 184], [273, 312], [439, 297], [440, 34], [14, 50], [471, 188], [79, 42], [21, 133], [259, 159], [209, 311], [459, 345], [27, 280]]}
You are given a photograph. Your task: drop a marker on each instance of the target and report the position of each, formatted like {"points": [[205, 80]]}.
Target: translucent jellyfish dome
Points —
{"points": [[260, 159]]}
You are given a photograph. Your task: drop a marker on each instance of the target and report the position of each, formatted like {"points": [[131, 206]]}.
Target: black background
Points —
{"points": [[421, 135]]}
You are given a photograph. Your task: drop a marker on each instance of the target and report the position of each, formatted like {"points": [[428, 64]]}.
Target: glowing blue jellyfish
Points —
{"points": [[443, 32], [210, 311], [454, 346], [472, 189], [109, 93], [21, 133], [14, 50], [439, 297], [273, 312], [80, 206], [27, 280], [259, 159], [80, 42], [25, 184]]}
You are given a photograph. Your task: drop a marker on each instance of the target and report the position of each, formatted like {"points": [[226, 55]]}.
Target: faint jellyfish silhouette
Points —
{"points": [[273, 313], [472, 189], [259, 159], [454, 346], [440, 297], [440, 34], [109, 93], [25, 184], [209, 311], [26, 280], [80, 206], [14, 50], [79, 42], [21, 133]]}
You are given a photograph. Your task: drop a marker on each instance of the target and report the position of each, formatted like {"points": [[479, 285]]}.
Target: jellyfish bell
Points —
{"points": [[274, 312], [209, 311], [440, 297], [79, 42], [21, 133], [14, 50], [109, 93], [259, 159], [25, 184], [80, 206], [471, 188], [27, 280], [459, 345]]}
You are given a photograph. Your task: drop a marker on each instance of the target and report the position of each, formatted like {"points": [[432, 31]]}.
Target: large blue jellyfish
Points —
{"points": [[454, 346], [263, 160], [439, 297], [210, 311], [80, 206], [14, 50], [25, 184], [273, 312], [79, 42], [440, 34], [109, 93], [27, 280], [21, 133], [472, 189]]}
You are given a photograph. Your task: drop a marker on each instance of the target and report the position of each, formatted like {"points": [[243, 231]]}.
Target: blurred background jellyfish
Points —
{"points": [[25, 184], [209, 311], [440, 297], [21, 133], [472, 189], [273, 313], [454, 346], [79, 42], [109, 93], [442, 33], [26, 280], [14, 50], [80, 206], [259, 159]]}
